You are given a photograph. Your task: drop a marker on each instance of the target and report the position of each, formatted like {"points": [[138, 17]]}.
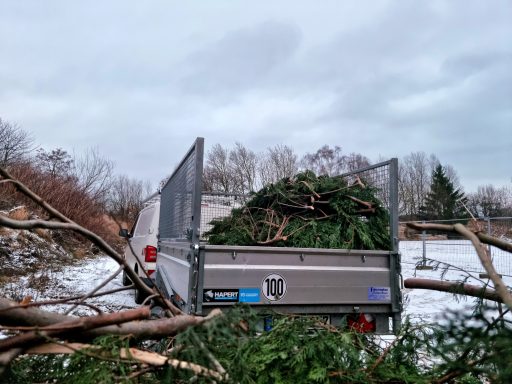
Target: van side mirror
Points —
{"points": [[123, 232]]}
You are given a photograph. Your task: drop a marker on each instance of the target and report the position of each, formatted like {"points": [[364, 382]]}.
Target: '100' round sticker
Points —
{"points": [[273, 287]]}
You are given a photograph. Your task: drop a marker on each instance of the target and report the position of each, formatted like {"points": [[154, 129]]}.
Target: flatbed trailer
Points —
{"points": [[339, 285]]}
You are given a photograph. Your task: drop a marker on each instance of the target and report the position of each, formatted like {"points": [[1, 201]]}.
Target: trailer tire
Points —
{"points": [[126, 280], [140, 296]]}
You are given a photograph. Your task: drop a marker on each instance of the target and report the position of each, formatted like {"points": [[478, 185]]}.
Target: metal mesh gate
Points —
{"points": [[216, 205], [455, 252], [384, 178], [180, 207]]}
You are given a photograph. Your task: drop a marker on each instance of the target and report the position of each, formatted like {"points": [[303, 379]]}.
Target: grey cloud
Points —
{"points": [[471, 63], [241, 60]]}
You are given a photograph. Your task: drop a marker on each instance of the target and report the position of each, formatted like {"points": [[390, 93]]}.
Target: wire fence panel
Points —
{"points": [[456, 251], [215, 206], [384, 178], [179, 197]]}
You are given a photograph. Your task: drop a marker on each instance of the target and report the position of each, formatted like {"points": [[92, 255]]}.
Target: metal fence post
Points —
{"points": [[489, 232], [424, 244]]}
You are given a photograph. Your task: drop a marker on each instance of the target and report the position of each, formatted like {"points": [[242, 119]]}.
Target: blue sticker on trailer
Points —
{"points": [[379, 294], [249, 295]]}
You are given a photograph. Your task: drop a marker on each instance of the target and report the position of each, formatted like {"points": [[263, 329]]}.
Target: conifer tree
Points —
{"points": [[443, 201]]}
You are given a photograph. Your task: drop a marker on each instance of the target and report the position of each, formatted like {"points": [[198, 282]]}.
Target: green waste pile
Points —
{"points": [[307, 211]]}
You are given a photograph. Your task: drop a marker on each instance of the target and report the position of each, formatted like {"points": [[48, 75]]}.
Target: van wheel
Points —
{"points": [[140, 296], [126, 280]]}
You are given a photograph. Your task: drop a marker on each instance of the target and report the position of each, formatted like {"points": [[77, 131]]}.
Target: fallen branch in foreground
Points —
{"points": [[453, 287], [144, 357], [481, 250], [13, 315], [69, 327]]}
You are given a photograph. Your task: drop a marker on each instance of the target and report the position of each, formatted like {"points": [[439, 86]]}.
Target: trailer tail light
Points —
{"points": [[150, 254], [150, 272], [362, 323]]}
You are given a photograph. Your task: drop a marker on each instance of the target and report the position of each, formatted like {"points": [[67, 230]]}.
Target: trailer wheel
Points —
{"points": [[140, 296], [126, 280]]}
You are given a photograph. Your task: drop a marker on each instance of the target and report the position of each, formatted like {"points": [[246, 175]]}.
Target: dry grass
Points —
{"points": [[43, 234], [4, 231], [19, 213], [80, 253]]}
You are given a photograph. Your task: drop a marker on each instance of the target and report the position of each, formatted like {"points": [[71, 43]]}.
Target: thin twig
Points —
{"points": [[64, 300], [96, 289], [208, 354]]}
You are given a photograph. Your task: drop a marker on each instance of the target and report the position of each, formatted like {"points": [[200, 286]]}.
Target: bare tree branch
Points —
{"points": [[137, 355], [453, 287], [66, 327], [69, 225], [14, 315]]}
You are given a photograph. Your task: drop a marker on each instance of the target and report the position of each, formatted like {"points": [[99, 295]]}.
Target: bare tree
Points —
{"points": [[230, 170], [355, 161], [94, 174], [243, 164], [489, 201], [15, 143], [452, 175], [325, 161], [414, 182], [217, 173], [127, 196], [277, 163], [55, 163]]}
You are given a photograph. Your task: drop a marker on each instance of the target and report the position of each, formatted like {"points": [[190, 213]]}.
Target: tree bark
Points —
{"points": [[11, 314], [453, 287]]}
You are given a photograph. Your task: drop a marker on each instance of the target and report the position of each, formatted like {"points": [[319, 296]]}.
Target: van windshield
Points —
{"points": [[144, 222]]}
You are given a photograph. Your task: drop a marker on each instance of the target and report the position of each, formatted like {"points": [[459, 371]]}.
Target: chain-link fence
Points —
{"points": [[180, 197], [384, 178], [216, 205], [430, 247]]}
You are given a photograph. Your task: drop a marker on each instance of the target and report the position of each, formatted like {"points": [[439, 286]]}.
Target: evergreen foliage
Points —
{"points": [[307, 211], [444, 201], [467, 348]]}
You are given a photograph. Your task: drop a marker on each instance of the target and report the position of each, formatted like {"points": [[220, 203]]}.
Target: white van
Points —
{"points": [[143, 242]]}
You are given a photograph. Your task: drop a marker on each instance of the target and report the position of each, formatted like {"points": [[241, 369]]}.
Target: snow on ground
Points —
{"points": [[86, 276], [73, 280]]}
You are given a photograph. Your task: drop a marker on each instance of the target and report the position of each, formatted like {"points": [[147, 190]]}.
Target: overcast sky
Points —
{"points": [[141, 80]]}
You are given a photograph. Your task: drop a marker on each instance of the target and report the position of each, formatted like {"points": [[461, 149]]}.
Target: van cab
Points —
{"points": [[142, 241]]}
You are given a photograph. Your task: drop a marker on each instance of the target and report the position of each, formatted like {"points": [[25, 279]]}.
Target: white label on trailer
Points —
{"points": [[273, 287], [379, 294]]}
